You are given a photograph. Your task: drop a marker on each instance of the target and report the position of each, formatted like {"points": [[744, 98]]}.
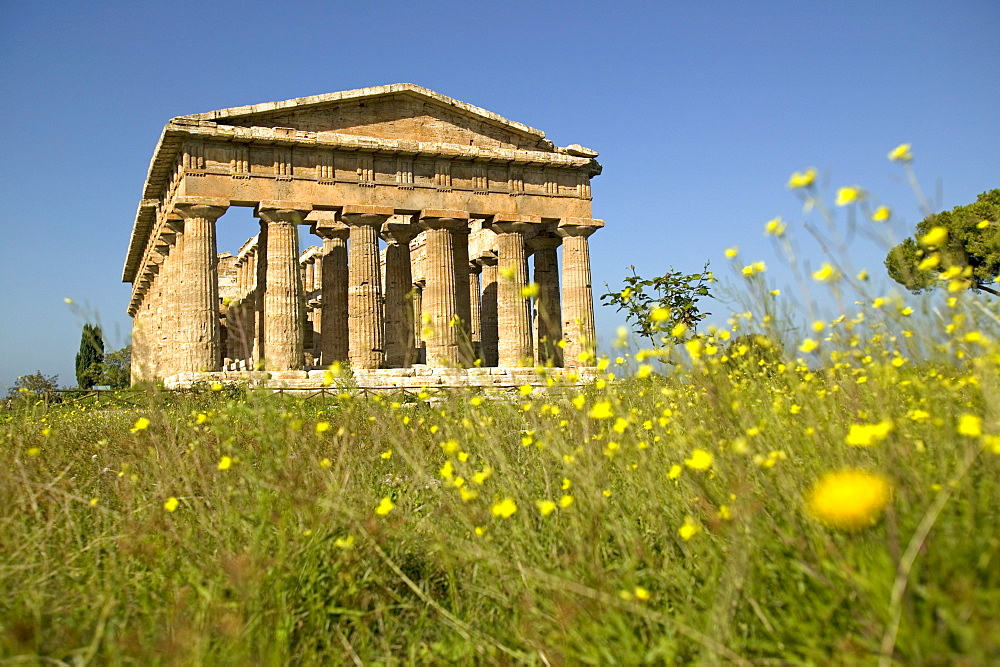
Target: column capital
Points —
{"points": [[185, 205], [446, 218], [354, 215], [400, 233], [578, 227], [325, 225], [487, 259], [544, 242], [280, 210]]}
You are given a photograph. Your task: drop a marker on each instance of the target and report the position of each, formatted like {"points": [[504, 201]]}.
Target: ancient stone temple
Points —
{"points": [[437, 259]]}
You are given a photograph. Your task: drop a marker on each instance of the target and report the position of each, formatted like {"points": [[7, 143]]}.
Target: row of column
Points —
{"points": [[178, 320]]}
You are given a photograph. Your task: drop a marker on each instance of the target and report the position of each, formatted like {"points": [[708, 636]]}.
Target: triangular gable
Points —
{"points": [[398, 111]]}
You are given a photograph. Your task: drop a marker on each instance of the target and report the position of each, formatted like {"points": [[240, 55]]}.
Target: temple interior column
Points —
{"points": [[173, 286], [418, 325], [199, 323], [513, 309], [283, 302], [364, 293], [475, 309], [578, 297], [463, 306], [439, 296], [333, 289], [399, 318], [548, 319], [489, 333]]}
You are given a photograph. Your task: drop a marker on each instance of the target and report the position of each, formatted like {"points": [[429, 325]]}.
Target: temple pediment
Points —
{"points": [[398, 111]]}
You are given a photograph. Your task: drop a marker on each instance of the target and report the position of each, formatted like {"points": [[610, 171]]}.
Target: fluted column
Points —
{"points": [[577, 296], [488, 310], [334, 278], [278, 272], [547, 303], [170, 342], [418, 325], [364, 292], [439, 297], [463, 307], [475, 309], [399, 319], [199, 324], [513, 309]]}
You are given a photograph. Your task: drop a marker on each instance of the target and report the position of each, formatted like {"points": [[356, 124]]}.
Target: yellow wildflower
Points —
{"points": [[385, 506], [901, 153], [732, 252], [850, 499], [826, 273], [774, 227], [545, 507], [808, 345], [141, 424], [935, 238], [344, 542], [601, 410], [322, 427], [689, 529], [171, 504], [865, 435], [849, 194], [225, 462], [801, 179], [970, 425], [675, 471], [504, 509], [881, 214], [700, 460], [565, 501]]}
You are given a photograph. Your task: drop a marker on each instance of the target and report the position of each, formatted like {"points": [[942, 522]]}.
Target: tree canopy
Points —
{"points": [[959, 248], [34, 384], [90, 358]]}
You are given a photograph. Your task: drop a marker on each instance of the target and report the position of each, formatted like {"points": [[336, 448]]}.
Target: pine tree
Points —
{"points": [[90, 358]]}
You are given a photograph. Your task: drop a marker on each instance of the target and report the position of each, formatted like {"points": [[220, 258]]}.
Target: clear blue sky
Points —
{"points": [[700, 110]]}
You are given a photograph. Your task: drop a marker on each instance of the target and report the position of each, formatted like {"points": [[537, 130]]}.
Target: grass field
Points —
{"points": [[742, 502]]}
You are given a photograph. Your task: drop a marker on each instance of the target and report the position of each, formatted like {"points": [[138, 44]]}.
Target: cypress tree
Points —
{"points": [[90, 358]]}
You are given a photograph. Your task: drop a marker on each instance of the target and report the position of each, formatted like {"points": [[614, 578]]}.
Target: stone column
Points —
{"points": [[513, 309], [439, 297], [578, 298], [463, 307], [399, 319], [547, 303], [364, 292], [199, 324], [333, 312], [169, 343], [278, 273], [475, 309], [488, 309], [418, 325]]}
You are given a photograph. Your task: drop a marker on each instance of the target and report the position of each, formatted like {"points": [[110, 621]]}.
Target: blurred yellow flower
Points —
{"points": [[881, 214], [322, 427], [935, 238], [774, 227], [901, 153], [849, 499], [659, 314], [808, 345], [565, 501], [801, 179], [545, 507], [689, 529], [385, 506], [171, 504], [601, 410], [826, 273], [970, 425], [700, 460], [140, 425], [732, 252], [504, 509], [529, 291], [225, 463], [344, 542], [849, 194], [865, 435], [641, 593]]}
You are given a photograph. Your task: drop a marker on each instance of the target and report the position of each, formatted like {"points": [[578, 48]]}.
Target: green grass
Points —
{"points": [[283, 558]]}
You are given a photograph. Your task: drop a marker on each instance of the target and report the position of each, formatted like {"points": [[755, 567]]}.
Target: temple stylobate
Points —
{"points": [[439, 228]]}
